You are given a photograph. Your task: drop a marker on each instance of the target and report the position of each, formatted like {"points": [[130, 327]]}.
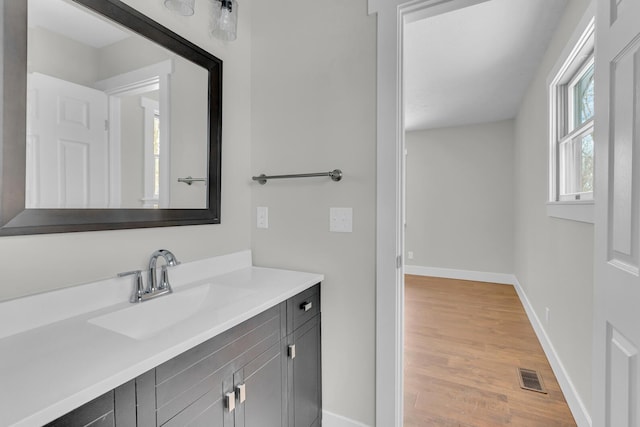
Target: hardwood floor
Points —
{"points": [[463, 344]]}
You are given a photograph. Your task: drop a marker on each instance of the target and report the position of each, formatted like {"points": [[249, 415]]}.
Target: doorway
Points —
{"points": [[614, 352], [391, 239], [464, 81]]}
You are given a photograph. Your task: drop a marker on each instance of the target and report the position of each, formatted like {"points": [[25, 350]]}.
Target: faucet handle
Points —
{"points": [[138, 286]]}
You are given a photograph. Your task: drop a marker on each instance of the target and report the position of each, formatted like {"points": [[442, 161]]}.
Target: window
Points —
{"points": [[575, 145], [152, 150], [156, 155], [571, 148]]}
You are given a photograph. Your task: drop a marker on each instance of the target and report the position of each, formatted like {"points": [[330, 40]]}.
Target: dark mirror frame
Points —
{"points": [[15, 219]]}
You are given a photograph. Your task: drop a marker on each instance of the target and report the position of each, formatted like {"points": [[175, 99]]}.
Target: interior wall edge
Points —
{"points": [[576, 405], [329, 419], [451, 273]]}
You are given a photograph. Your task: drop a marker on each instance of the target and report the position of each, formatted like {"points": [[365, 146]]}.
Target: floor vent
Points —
{"points": [[530, 380]]}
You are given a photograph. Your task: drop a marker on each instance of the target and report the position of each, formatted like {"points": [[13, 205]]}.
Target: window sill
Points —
{"points": [[582, 211]]}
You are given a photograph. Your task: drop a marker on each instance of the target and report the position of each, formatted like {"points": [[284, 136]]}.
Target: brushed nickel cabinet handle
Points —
{"points": [[241, 393], [230, 401], [292, 351], [306, 306]]}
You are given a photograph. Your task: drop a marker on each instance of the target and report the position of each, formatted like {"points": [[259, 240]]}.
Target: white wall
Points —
{"points": [[132, 151], [459, 197], [31, 264], [57, 56], [553, 257], [314, 109], [131, 54], [189, 144]]}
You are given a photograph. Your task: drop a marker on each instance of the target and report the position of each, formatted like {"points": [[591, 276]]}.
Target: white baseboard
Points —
{"points": [[330, 419], [579, 411], [450, 273], [576, 405]]}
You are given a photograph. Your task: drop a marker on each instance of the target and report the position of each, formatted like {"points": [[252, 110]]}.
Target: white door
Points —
{"points": [[67, 152], [616, 375]]}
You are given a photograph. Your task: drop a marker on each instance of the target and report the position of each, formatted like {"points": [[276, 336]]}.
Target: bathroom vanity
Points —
{"points": [[234, 345]]}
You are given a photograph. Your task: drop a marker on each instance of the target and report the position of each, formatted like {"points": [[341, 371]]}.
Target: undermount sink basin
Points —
{"points": [[146, 319]]}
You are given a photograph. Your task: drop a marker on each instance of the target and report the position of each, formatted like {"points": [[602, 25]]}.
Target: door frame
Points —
{"points": [[152, 77], [392, 16]]}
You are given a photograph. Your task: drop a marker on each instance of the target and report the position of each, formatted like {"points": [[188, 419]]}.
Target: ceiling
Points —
{"points": [[74, 22], [473, 65]]}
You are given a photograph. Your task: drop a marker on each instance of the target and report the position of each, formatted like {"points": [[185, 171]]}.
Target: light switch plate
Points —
{"points": [[341, 220], [262, 217]]}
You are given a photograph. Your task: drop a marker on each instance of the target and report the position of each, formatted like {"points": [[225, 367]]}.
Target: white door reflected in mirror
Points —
{"points": [[66, 145]]}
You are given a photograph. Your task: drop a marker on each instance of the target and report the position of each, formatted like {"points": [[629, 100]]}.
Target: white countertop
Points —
{"points": [[52, 359]]}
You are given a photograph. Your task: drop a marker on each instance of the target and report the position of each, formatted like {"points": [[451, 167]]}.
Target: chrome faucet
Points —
{"points": [[152, 284], [153, 289]]}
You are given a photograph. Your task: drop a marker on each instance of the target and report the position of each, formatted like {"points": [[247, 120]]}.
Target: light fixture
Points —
{"points": [[224, 19], [183, 7]]}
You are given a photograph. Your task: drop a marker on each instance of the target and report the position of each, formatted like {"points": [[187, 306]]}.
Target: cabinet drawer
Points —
{"points": [[116, 407], [97, 413], [303, 307]]}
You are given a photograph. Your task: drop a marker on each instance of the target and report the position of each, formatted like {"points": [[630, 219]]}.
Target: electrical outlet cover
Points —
{"points": [[341, 220], [262, 217]]}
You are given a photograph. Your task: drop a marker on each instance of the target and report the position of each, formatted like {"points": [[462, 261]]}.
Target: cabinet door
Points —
{"points": [[208, 411], [304, 375], [260, 391]]}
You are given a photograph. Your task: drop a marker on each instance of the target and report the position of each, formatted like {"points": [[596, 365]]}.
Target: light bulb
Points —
{"points": [[227, 22], [215, 15], [183, 7]]}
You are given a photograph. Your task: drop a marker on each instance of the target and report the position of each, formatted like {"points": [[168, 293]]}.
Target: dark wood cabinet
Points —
{"points": [[264, 372], [207, 371], [114, 408], [304, 384], [304, 375]]}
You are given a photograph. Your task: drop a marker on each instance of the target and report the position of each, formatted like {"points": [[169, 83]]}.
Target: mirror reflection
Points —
{"points": [[113, 119]]}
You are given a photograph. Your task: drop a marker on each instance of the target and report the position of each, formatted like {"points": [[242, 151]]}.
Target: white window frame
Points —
{"points": [[574, 133], [562, 79], [151, 109]]}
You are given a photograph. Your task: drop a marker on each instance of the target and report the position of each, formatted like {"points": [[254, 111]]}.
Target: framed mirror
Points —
{"points": [[109, 120]]}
